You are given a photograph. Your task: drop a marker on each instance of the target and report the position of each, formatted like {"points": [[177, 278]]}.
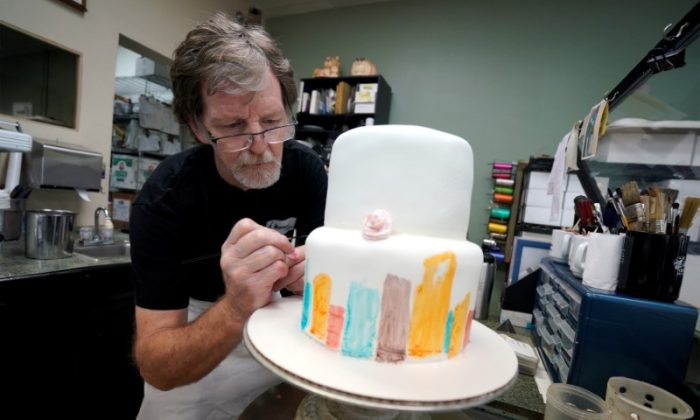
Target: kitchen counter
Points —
{"points": [[15, 265]]}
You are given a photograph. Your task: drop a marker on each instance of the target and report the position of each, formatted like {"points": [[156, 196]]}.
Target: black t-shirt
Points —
{"points": [[186, 211]]}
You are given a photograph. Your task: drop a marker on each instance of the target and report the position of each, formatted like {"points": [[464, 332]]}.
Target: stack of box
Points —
{"points": [[537, 204]]}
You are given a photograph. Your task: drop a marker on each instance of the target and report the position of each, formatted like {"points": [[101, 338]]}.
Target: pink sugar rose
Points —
{"points": [[377, 225]]}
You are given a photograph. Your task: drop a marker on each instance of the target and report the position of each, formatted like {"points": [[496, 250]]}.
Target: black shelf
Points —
{"points": [[136, 152], [325, 127]]}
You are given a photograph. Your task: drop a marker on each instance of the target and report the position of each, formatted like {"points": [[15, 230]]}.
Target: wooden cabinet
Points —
{"points": [[328, 106]]}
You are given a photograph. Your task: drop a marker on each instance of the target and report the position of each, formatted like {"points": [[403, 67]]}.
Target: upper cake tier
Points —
{"points": [[423, 198]]}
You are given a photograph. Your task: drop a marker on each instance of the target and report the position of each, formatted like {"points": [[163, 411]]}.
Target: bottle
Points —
{"points": [[108, 229]]}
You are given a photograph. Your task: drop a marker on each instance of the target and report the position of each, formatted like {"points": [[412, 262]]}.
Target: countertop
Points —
{"points": [[15, 265]]}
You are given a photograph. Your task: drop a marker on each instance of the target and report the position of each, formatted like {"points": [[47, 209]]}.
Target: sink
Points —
{"points": [[115, 249]]}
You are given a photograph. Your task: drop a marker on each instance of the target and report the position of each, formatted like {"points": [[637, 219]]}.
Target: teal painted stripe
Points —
{"points": [[307, 306], [361, 321], [448, 328]]}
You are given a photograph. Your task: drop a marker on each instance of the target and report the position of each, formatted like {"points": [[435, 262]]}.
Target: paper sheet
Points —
{"points": [[564, 161]]}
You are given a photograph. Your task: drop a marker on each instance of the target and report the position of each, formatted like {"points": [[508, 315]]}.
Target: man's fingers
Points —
{"points": [[254, 261], [240, 229], [247, 237]]}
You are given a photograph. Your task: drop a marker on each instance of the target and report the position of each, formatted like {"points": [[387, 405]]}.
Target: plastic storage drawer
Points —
{"points": [[599, 334]]}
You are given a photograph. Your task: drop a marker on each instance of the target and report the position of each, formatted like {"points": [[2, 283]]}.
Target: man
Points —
{"points": [[211, 228]]}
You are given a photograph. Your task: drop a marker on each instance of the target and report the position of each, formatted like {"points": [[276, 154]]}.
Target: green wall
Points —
{"points": [[510, 76]]}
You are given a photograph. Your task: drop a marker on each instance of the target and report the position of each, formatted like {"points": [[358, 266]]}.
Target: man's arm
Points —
{"points": [[171, 352]]}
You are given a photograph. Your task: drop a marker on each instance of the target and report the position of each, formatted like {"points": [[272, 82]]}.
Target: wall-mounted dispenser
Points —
{"points": [[53, 164]]}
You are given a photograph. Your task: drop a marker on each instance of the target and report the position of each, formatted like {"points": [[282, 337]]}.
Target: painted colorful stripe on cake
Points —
{"points": [[306, 306], [448, 332], [321, 303], [468, 328], [336, 318], [431, 306], [458, 329], [395, 316], [361, 321]]}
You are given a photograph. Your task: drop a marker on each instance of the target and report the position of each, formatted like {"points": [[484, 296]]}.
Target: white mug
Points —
{"points": [[601, 261], [561, 242], [576, 254]]}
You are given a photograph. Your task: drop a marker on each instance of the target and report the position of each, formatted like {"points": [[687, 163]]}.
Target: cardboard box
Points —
{"points": [[540, 216], [364, 107], [647, 146], [146, 168], [121, 208], [123, 171]]}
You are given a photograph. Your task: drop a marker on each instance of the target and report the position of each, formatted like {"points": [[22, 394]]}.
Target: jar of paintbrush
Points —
{"points": [[656, 244]]}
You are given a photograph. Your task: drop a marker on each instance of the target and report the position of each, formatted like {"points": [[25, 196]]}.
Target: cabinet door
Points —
{"points": [[66, 345]]}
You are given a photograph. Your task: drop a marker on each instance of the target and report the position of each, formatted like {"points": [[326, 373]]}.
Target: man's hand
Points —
{"points": [[294, 280], [253, 259]]}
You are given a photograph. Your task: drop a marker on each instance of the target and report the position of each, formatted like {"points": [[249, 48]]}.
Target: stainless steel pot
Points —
{"points": [[49, 234], [11, 220]]}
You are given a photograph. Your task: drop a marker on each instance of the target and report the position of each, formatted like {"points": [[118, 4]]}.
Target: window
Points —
{"points": [[38, 80]]}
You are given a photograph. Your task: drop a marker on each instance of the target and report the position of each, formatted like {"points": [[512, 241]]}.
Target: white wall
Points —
{"points": [[157, 24]]}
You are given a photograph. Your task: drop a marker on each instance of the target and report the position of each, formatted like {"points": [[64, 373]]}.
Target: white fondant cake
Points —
{"points": [[391, 276]]}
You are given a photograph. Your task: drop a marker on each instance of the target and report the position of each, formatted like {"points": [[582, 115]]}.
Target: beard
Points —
{"points": [[256, 171]]}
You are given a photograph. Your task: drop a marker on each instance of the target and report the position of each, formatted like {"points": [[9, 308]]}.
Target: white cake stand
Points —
{"points": [[482, 372]]}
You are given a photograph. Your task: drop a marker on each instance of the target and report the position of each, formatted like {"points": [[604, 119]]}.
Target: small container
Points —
{"points": [[573, 402], [628, 398], [86, 234], [11, 219], [49, 234], [483, 294], [108, 230]]}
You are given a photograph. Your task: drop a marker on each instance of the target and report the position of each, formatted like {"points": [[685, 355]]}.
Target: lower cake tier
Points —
{"points": [[404, 298]]}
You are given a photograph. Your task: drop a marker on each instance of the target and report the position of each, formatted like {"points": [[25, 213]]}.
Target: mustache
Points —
{"points": [[253, 159]]}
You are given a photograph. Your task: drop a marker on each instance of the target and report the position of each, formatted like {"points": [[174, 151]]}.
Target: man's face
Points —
{"points": [[258, 166]]}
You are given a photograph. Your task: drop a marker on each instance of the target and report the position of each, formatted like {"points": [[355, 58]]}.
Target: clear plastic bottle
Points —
{"points": [[108, 230]]}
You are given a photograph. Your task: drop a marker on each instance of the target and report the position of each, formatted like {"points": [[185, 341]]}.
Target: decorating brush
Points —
{"points": [[673, 219], [630, 193], [690, 207]]}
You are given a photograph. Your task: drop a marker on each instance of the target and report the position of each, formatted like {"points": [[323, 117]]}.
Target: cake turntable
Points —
{"points": [[482, 372]]}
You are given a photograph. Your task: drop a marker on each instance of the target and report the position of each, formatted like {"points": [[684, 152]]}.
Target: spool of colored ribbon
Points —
{"points": [[498, 236], [502, 198], [497, 228], [505, 182], [502, 165], [500, 213], [504, 190], [504, 175]]}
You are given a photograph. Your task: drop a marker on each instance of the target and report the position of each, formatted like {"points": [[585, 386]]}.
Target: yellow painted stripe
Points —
{"points": [[431, 305]]}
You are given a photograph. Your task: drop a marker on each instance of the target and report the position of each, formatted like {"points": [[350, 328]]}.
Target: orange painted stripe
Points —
{"points": [[320, 306], [431, 305]]}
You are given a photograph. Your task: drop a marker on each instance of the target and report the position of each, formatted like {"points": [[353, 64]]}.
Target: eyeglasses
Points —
{"points": [[243, 141]]}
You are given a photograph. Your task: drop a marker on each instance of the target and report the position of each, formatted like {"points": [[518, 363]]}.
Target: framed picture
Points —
{"points": [[527, 254], [80, 5]]}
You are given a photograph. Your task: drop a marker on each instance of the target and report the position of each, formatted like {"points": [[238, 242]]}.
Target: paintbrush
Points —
{"points": [[217, 254], [690, 207], [630, 193]]}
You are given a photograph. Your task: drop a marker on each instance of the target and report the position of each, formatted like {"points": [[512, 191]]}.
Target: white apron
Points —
{"points": [[223, 394]]}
